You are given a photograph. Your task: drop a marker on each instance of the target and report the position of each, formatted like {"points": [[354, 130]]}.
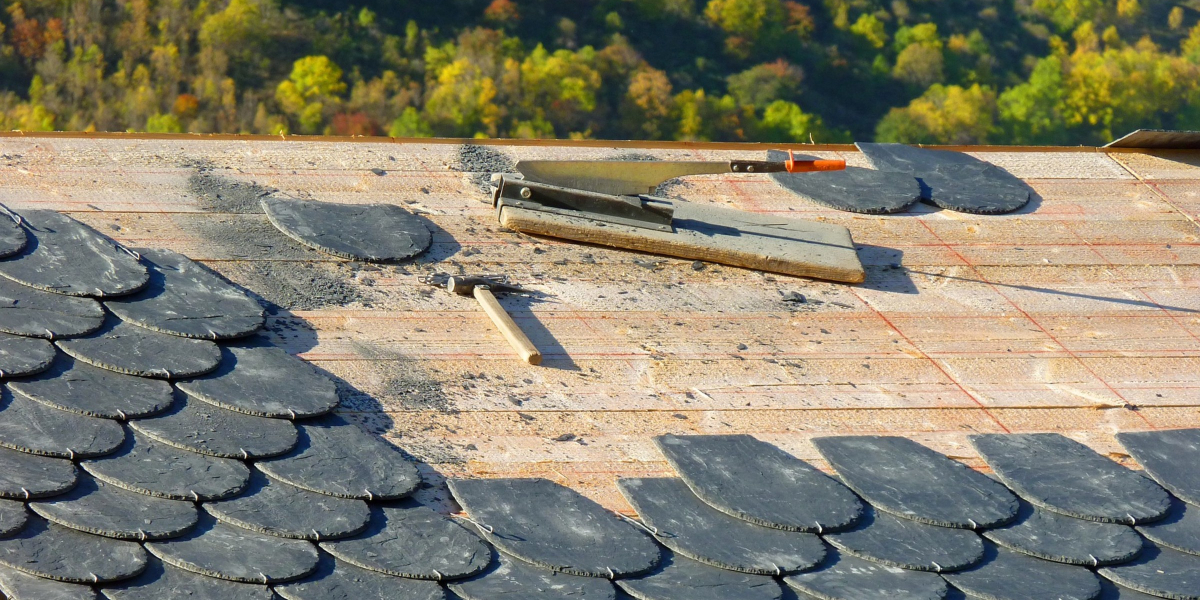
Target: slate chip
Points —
{"points": [[16, 585], [902, 477], [1059, 538], [513, 579], [695, 530], [184, 298], [102, 509], [845, 577], [78, 387], [555, 527], [56, 552], [370, 232], [1159, 572], [12, 235], [1170, 457], [21, 356], [266, 382], [683, 579], [1059, 474], [909, 544], [161, 581], [338, 458], [214, 431], [757, 482], [283, 510], [1179, 530], [336, 580], [952, 180], [12, 517], [35, 313], [409, 540], [31, 427], [854, 189], [236, 554], [149, 467], [24, 476], [134, 350], [1008, 575], [67, 257]]}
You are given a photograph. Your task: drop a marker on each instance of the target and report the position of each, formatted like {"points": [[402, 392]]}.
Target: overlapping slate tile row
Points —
{"points": [[163, 453]]}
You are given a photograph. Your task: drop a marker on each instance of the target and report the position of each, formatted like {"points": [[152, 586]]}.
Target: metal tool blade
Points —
{"points": [[616, 177]]}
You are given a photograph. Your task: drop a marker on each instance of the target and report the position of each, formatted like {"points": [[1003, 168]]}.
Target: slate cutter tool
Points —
{"points": [[484, 290]]}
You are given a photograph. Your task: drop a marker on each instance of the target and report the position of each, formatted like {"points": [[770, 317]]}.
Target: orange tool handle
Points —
{"points": [[808, 166]]}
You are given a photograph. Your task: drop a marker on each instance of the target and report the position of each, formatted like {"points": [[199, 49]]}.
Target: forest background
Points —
{"points": [[918, 71]]}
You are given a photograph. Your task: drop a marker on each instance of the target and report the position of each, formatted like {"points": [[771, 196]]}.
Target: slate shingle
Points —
{"points": [[65, 256], [78, 387], [134, 350], [265, 382]]}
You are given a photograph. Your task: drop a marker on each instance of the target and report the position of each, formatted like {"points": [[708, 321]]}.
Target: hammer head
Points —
{"points": [[465, 285]]}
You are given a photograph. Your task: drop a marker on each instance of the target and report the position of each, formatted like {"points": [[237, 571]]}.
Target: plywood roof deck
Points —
{"points": [[1079, 314]]}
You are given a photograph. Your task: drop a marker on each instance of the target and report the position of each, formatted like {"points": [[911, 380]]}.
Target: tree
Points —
{"points": [[647, 104], [746, 22], [785, 122], [461, 102], [942, 115], [920, 61], [763, 84], [314, 85]]}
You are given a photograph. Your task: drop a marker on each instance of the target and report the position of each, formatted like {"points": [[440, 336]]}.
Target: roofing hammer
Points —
{"points": [[483, 288]]}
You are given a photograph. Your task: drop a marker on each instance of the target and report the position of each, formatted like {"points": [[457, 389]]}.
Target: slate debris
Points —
{"points": [[56, 552], [844, 577], [1169, 457], [12, 517], [952, 180], [1007, 575], [12, 235], [1059, 474], [102, 509], [24, 476], [409, 540], [909, 544], [276, 508], [695, 530], [149, 467], [21, 356], [1059, 538], [338, 458], [370, 232], [236, 554], [134, 350], [78, 387], [1161, 572], [1179, 530], [682, 579], [161, 581], [854, 189], [513, 579], [65, 256], [214, 431], [755, 481], [902, 477], [336, 580], [31, 427], [265, 381], [35, 313], [16, 585], [555, 527], [183, 298]]}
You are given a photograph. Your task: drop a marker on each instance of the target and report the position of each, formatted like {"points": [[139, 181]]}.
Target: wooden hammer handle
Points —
{"points": [[516, 338]]}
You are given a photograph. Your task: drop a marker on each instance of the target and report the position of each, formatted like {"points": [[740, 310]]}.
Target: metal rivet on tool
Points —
{"points": [[526, 193]]}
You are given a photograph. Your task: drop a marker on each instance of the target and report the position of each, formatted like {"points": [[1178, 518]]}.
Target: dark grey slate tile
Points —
{"points": [[161, 581], [12, 517], [555, 527], [854, 189], [134, 350], [31, 427], [844, 577], [1180, 530], [35, 313], [338, 458], [21, 356], [276, 508], [78, 387], [336, 580], [236, 554], [186, 299], [1057, 473], [680, 578], [16, 585], [266, 382], [695, 530], [146, 466], [1008, 575], [207, 429], [102, 509], [757, 482], [24, 476], [410, 540], [371, 232], [56, 552], [1051, 536], [953, 180], [1170, 457], [513, 579], [902, 477], [1159, 572], [909, 544], [65, 256], [12, 235], [1112, 591]]}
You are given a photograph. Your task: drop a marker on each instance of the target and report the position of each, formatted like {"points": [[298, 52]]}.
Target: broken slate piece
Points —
{"points": [[338, 458], [134, 350], [56, 552], [1170, 457], [34, 313], [695, 530], [680, 578], [21, 356], [184, 298], [1008, 575], [909, 544], [854, 189], [902, 477], [31, 427], [24, 476], [410, 540], [235, 554], [555, 527], [1051, 536], [267, 382], [12, 517], [161, 581], [1161, 572], [370, 232], [336, 580], [1057, 473], [214, 431], [755, 481], [279, 509], [12, 235], [1180, 530], [67, 257], [148, 467], [16, 585], [513, 579], [845, 577], [102, 509], [78, 387], [952, 180]]}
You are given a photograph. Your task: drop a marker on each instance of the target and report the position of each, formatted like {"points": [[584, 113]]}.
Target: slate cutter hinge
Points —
{"points": [[643, 211]]}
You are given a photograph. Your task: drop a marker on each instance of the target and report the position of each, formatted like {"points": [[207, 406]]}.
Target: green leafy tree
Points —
{"points": [[763, 84], [746, 22], [314, 87], [942, 115]]}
